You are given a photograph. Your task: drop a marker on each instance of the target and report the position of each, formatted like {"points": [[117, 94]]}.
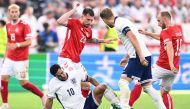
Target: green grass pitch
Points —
{"points": [[26, 100]]}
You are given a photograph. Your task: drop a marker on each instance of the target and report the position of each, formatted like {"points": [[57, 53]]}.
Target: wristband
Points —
{"points": [[18, 45]]}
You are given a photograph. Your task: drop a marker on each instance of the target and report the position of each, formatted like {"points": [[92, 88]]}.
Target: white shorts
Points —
{"points": [[167, 77], [19, 69], [68, 65]]}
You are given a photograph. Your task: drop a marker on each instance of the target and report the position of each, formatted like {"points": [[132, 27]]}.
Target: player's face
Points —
{"points": [[87, 20], [61, 75], [161, 22], [109, 22], [14, 14]]}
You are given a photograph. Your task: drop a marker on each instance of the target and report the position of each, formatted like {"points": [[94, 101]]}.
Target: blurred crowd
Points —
{"points": [[49, 37]]}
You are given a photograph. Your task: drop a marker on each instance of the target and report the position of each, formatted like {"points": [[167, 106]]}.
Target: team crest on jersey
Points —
{"points": [[74, 81]]}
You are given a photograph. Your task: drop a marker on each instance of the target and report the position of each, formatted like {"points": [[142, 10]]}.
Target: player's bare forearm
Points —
{"points": [[151, 34], [63, 20], [25, 43], [12, 46], [95, 40], [49, 103], [93, 81], [170, 53]]}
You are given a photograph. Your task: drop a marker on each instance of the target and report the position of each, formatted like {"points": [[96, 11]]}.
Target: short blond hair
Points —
{"points": [[14, 6]]}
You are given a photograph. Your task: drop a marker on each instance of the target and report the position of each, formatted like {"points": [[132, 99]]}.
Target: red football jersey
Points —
{"points": [[175, 35], [17, 33], [75, 40]]}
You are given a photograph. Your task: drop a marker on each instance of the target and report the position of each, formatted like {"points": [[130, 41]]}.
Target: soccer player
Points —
{"points": [[167, 64], [78, 33], [66, 87], [16, 59], [139, 65]]}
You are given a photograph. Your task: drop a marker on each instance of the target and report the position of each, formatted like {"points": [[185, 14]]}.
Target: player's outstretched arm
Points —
{"points": [[63, 20], [151, 34], [49, 103], [96, 41]]}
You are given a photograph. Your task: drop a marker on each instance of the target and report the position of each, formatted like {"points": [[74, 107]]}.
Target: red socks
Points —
{"points": [[4, 91], [135, 94], [167, 99], [85, 92], [33, 89]]}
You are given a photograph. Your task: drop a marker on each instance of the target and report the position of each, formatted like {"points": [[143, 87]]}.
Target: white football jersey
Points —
{"points": [[68, 92], [120, 25]]}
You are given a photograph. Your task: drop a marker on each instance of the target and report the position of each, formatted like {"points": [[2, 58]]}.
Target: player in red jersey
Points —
{"points": [[79, 32], [167, 65], [16, 59]]}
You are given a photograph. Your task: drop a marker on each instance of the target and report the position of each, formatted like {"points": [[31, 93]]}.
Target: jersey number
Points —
{"points": [[177, 53], [12, 37], [71, 91], [83, 39]]}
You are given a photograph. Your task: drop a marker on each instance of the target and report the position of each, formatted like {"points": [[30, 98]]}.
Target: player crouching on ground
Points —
{"points": [[66, 87]]}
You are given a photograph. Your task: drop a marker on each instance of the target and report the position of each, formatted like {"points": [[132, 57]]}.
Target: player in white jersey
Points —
{"points": [[66, 87], [139, 64]]}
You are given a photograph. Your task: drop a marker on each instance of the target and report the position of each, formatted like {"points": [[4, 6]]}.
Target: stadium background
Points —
{"points": [[100, 64]]}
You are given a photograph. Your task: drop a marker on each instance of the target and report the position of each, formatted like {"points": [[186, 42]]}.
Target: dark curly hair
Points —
{"points": [[54, 68]]}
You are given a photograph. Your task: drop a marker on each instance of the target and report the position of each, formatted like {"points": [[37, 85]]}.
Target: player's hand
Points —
{"points": [[123, 62], [110, 40], [143, 61], [142, 31], [76, 4], [11, 46], [174, 70]]}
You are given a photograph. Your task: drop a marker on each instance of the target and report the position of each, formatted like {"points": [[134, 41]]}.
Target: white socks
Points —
{"points": [[125, 93], [155, 96], [111, 96]]}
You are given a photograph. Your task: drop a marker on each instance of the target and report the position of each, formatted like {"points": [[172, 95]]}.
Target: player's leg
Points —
{"points": [[147, 87], [112, 97], [124, 91], [165, 89], [21, 73], [85, 88], [5, 76], [167, 77], [95, 97], [133, 70], [135, 94], [146, 82]]}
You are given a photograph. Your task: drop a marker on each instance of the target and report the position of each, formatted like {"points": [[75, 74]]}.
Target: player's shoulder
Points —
{"points": [[23, 22], [53, 81], [122, 22]]}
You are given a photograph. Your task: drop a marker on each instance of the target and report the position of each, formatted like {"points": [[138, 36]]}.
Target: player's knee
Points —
{"points": [[23, 82], [122, 82], [165, 89], [85, 85], [5, 77], [102, 87]]}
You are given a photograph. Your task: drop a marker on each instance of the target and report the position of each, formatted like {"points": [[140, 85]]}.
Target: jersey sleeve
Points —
{"points": [[27, 32], [71, 22], [166, 37], [51, 90], [123, 25]]}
